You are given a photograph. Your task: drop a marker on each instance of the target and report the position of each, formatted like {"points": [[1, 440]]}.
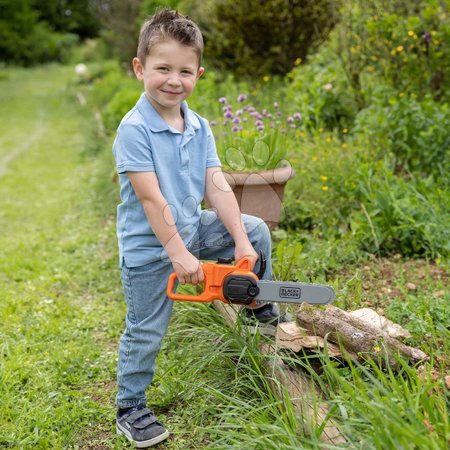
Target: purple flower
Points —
{"points": [[258, 123], [254, 114], [264, 112], [278, 113], [290, 119], [242, 98], [297, 116], [261, 128], [251, 108], [275, 104], [238, 112], [213, 123], [236, 120], [223, 100], [283, 131], [293, 125], [235, 129], [225, 109], [229, 115]]}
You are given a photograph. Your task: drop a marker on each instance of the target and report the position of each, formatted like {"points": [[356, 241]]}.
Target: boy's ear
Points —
{"points": [[200, 72], [138, 69]]}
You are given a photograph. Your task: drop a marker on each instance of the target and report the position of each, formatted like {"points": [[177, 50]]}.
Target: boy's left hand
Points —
{"points": [[246, 249]]}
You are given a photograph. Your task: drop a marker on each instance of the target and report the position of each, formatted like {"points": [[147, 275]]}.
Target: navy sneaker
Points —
{"points": [[141, 427], [266, 318]]}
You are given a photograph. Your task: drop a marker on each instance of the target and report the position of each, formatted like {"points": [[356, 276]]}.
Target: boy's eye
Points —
{"points": [[163, 69]]}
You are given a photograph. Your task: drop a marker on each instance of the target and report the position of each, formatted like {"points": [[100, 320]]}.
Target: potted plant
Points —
{"points": [[254, 147]]}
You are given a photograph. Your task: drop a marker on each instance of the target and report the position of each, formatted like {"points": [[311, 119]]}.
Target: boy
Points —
{"points": [[167, 163]]}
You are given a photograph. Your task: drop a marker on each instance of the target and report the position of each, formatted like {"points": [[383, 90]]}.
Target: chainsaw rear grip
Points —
{"points": [[214, 278]]}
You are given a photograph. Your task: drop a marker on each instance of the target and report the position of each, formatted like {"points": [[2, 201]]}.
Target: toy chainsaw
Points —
{"points": [[238, 285]]}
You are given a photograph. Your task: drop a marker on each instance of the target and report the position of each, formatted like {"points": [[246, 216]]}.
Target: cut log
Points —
{"points": [[371, 317], [356, 336], [305, 396], [290, 335]]}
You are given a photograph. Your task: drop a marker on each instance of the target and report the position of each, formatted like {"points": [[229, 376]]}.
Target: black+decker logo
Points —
{"points": [[290, 292]]}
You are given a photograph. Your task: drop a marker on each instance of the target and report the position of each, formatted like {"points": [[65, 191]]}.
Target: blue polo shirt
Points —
{"points": [[146, 143]]}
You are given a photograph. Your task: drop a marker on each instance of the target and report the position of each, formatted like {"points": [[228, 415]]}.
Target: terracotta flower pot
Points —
{"points": [[261, 193]]}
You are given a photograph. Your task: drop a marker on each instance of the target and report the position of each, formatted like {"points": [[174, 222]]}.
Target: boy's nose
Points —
{"points": [[174, 80]]}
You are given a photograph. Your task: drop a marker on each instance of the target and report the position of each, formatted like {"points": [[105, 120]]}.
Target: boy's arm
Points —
{"points": [[221, 197], [185, 264]]}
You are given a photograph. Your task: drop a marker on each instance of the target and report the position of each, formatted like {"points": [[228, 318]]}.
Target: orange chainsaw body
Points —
{"points": [[215, 274]]}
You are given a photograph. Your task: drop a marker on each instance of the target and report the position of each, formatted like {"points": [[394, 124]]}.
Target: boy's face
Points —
{"points": [[169, 75]]}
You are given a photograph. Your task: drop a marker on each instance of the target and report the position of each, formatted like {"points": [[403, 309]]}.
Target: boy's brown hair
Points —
{"points": [[167, 24]]}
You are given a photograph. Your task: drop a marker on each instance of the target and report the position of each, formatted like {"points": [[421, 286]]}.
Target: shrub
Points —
{"points": [[254, 38], [25, 40], [397, 216], [415, 133], [119, 105], [406, 44], [120, 23], [319, 90]]}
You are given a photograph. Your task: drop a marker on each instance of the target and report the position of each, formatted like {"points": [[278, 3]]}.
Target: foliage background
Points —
{"points": [[368, 212]]}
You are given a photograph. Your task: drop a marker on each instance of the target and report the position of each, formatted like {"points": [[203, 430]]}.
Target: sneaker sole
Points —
{"points": [[142, 444]]}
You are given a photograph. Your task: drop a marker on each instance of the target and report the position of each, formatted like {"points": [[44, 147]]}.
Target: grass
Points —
{"points": [[61, 313]]}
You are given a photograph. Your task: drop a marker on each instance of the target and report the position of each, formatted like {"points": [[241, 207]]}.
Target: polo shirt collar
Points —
{"points": [[155, 121]]}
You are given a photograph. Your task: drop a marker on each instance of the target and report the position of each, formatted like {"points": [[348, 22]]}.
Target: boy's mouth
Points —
{"points": [[171, 92]]}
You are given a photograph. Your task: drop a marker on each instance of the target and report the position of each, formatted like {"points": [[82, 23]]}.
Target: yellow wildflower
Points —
{"points": [[324, 177], [376, 348], [266, 78], [314, 158], [298, 61], [345, 130], [324, 188], [401, 94], [320, 130], [344, 145], [399, 49], [328, 139], [410, 33], [370, 68]]}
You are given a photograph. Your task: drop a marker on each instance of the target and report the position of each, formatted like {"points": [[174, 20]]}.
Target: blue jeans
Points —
{"points": [[149, 309]]}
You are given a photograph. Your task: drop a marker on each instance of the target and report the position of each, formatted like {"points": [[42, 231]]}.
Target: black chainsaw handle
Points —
{"points": [[262, 264]]}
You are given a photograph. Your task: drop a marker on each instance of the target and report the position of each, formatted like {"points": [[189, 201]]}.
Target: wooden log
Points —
{"points": [[305, 396], [356, 336], [290, 335]]}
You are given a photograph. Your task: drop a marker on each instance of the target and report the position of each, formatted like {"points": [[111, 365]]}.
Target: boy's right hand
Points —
{"points": [[188, 269]]}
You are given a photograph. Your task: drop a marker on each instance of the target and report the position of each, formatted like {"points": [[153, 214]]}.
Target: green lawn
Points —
{"points": [[61, 313], [60, 302]]}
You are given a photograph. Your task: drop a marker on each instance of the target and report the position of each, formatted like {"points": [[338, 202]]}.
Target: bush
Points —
{"points": [[319, 90], [119, 105], [405, 44], [120, 23], [24, 40], [416, 134], [254, 38], [397, 216]]}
